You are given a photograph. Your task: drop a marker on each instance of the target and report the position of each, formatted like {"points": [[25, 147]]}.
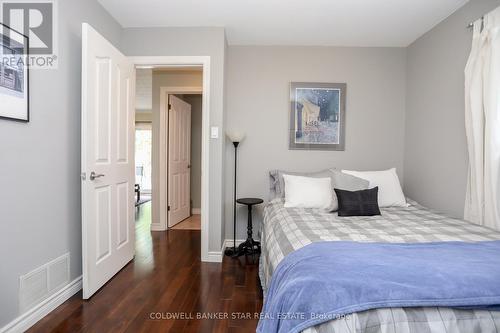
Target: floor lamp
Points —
{"points": [[235, 137]]}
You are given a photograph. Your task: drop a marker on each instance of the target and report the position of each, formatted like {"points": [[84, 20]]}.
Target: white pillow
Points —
{"points": [[389, 188], [307, 192]]}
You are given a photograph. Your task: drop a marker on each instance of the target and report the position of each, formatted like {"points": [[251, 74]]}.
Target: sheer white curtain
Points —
{"points": [[482, 122]]}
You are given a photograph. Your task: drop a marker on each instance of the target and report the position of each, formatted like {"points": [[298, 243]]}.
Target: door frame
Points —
{"points": [[165, 93], [204, 61]]}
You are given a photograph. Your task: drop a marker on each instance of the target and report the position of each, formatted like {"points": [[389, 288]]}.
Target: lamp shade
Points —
{"points": [[235, 136]]}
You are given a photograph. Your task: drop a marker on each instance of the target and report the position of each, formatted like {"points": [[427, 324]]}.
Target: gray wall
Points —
{"points": [[196, 118], [143, 117], [258, 81], [143, 89], [435, 146], [174, 78], [194, 42], [40, 162]]}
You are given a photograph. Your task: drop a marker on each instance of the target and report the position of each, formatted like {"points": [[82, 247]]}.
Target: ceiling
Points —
{"points": [[293, 22]]}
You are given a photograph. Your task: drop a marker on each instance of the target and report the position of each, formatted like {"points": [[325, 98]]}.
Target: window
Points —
{"points": [[143, 145]]}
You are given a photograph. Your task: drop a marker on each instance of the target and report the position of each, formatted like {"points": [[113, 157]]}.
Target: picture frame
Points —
{"points": [[14, 75], [317, 116]]}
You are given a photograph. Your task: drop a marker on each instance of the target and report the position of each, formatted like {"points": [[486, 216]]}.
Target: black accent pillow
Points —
{"points": [[358, 203]]}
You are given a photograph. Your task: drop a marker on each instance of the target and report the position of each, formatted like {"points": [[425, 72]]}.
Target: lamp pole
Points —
{"points": [[229, 251]]}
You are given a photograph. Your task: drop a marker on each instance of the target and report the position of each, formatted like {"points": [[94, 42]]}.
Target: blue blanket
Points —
{"points": [[325, 280]]}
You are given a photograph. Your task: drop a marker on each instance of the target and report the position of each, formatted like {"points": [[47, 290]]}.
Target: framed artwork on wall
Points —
{"points": [[14, 75], [317, 116]]}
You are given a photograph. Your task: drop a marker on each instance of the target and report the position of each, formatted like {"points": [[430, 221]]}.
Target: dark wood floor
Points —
{"points": [[165, 279]]}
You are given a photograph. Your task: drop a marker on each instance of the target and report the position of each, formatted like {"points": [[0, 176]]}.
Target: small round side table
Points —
{"points": [[249, 246]]}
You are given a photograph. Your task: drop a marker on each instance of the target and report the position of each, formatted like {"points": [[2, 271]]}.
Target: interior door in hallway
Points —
{"points": [[108, 230], [179, 160]]}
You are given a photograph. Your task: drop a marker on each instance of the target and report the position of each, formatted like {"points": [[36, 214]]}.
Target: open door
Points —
{"points": [[179, 160], [108, 230]]}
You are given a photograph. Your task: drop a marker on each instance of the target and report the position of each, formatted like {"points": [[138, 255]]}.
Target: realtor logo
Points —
{"points": [[36, 20]]}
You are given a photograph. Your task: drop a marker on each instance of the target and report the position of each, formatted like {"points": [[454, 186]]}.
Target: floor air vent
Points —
{"points": [[42, 282]]}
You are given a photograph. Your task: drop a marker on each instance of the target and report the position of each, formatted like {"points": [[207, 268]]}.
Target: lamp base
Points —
{"points": [[249, 246], [231, 252]]}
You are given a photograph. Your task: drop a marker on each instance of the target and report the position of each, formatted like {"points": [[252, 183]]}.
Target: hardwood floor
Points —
{"points": [[166, 279], [191, 223]]}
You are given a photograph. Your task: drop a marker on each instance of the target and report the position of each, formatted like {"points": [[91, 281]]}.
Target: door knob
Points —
{"points": [[93, 175]]}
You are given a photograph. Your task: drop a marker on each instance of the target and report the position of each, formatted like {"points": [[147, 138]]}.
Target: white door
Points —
{"points": [[179, 160], [108, 233]]}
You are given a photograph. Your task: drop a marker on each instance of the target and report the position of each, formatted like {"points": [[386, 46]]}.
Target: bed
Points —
{"points": [[285, 230]]}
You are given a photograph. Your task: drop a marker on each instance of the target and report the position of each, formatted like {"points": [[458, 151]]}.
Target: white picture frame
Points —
{"points": [[14, 75]]}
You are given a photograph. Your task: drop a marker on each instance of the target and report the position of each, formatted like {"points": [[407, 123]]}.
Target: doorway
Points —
{"points": [[160, 130], [178, 100], [184, 161]]}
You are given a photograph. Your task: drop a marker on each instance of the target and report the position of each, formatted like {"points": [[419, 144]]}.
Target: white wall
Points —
{"points": [[194, 42], [40, 162], [435, 149], [258, 81]]}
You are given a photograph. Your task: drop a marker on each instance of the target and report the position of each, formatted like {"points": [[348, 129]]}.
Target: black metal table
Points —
{"points": [[250, 246]]}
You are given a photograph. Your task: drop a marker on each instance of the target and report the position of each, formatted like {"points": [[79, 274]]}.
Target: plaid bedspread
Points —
{"points": [[287, 229]]}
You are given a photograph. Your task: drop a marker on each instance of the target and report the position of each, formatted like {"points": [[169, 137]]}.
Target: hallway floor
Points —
{"points": [[166, 279], [191, 223]]}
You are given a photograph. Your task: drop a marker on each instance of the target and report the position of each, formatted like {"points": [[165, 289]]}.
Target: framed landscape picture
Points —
{"points": [[317, 116], [14, 76]]}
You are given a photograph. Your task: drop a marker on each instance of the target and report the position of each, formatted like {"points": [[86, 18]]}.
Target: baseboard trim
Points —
{"points": [[214, 256], [229, 243], [32, 316], [196, 211], [156, 227]]}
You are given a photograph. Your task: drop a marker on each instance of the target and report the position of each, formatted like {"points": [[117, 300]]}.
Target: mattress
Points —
{"points": [[287, 229]]}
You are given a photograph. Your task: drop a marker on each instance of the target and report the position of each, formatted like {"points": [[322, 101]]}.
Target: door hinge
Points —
{"points": [[168, 208], [169, 106]]}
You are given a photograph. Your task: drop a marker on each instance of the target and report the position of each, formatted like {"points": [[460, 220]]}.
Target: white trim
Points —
{"points": [[32, 316], [196, 211], [156, 227], [205, 162], [229, 243], [214, 256], [205, 154]]}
